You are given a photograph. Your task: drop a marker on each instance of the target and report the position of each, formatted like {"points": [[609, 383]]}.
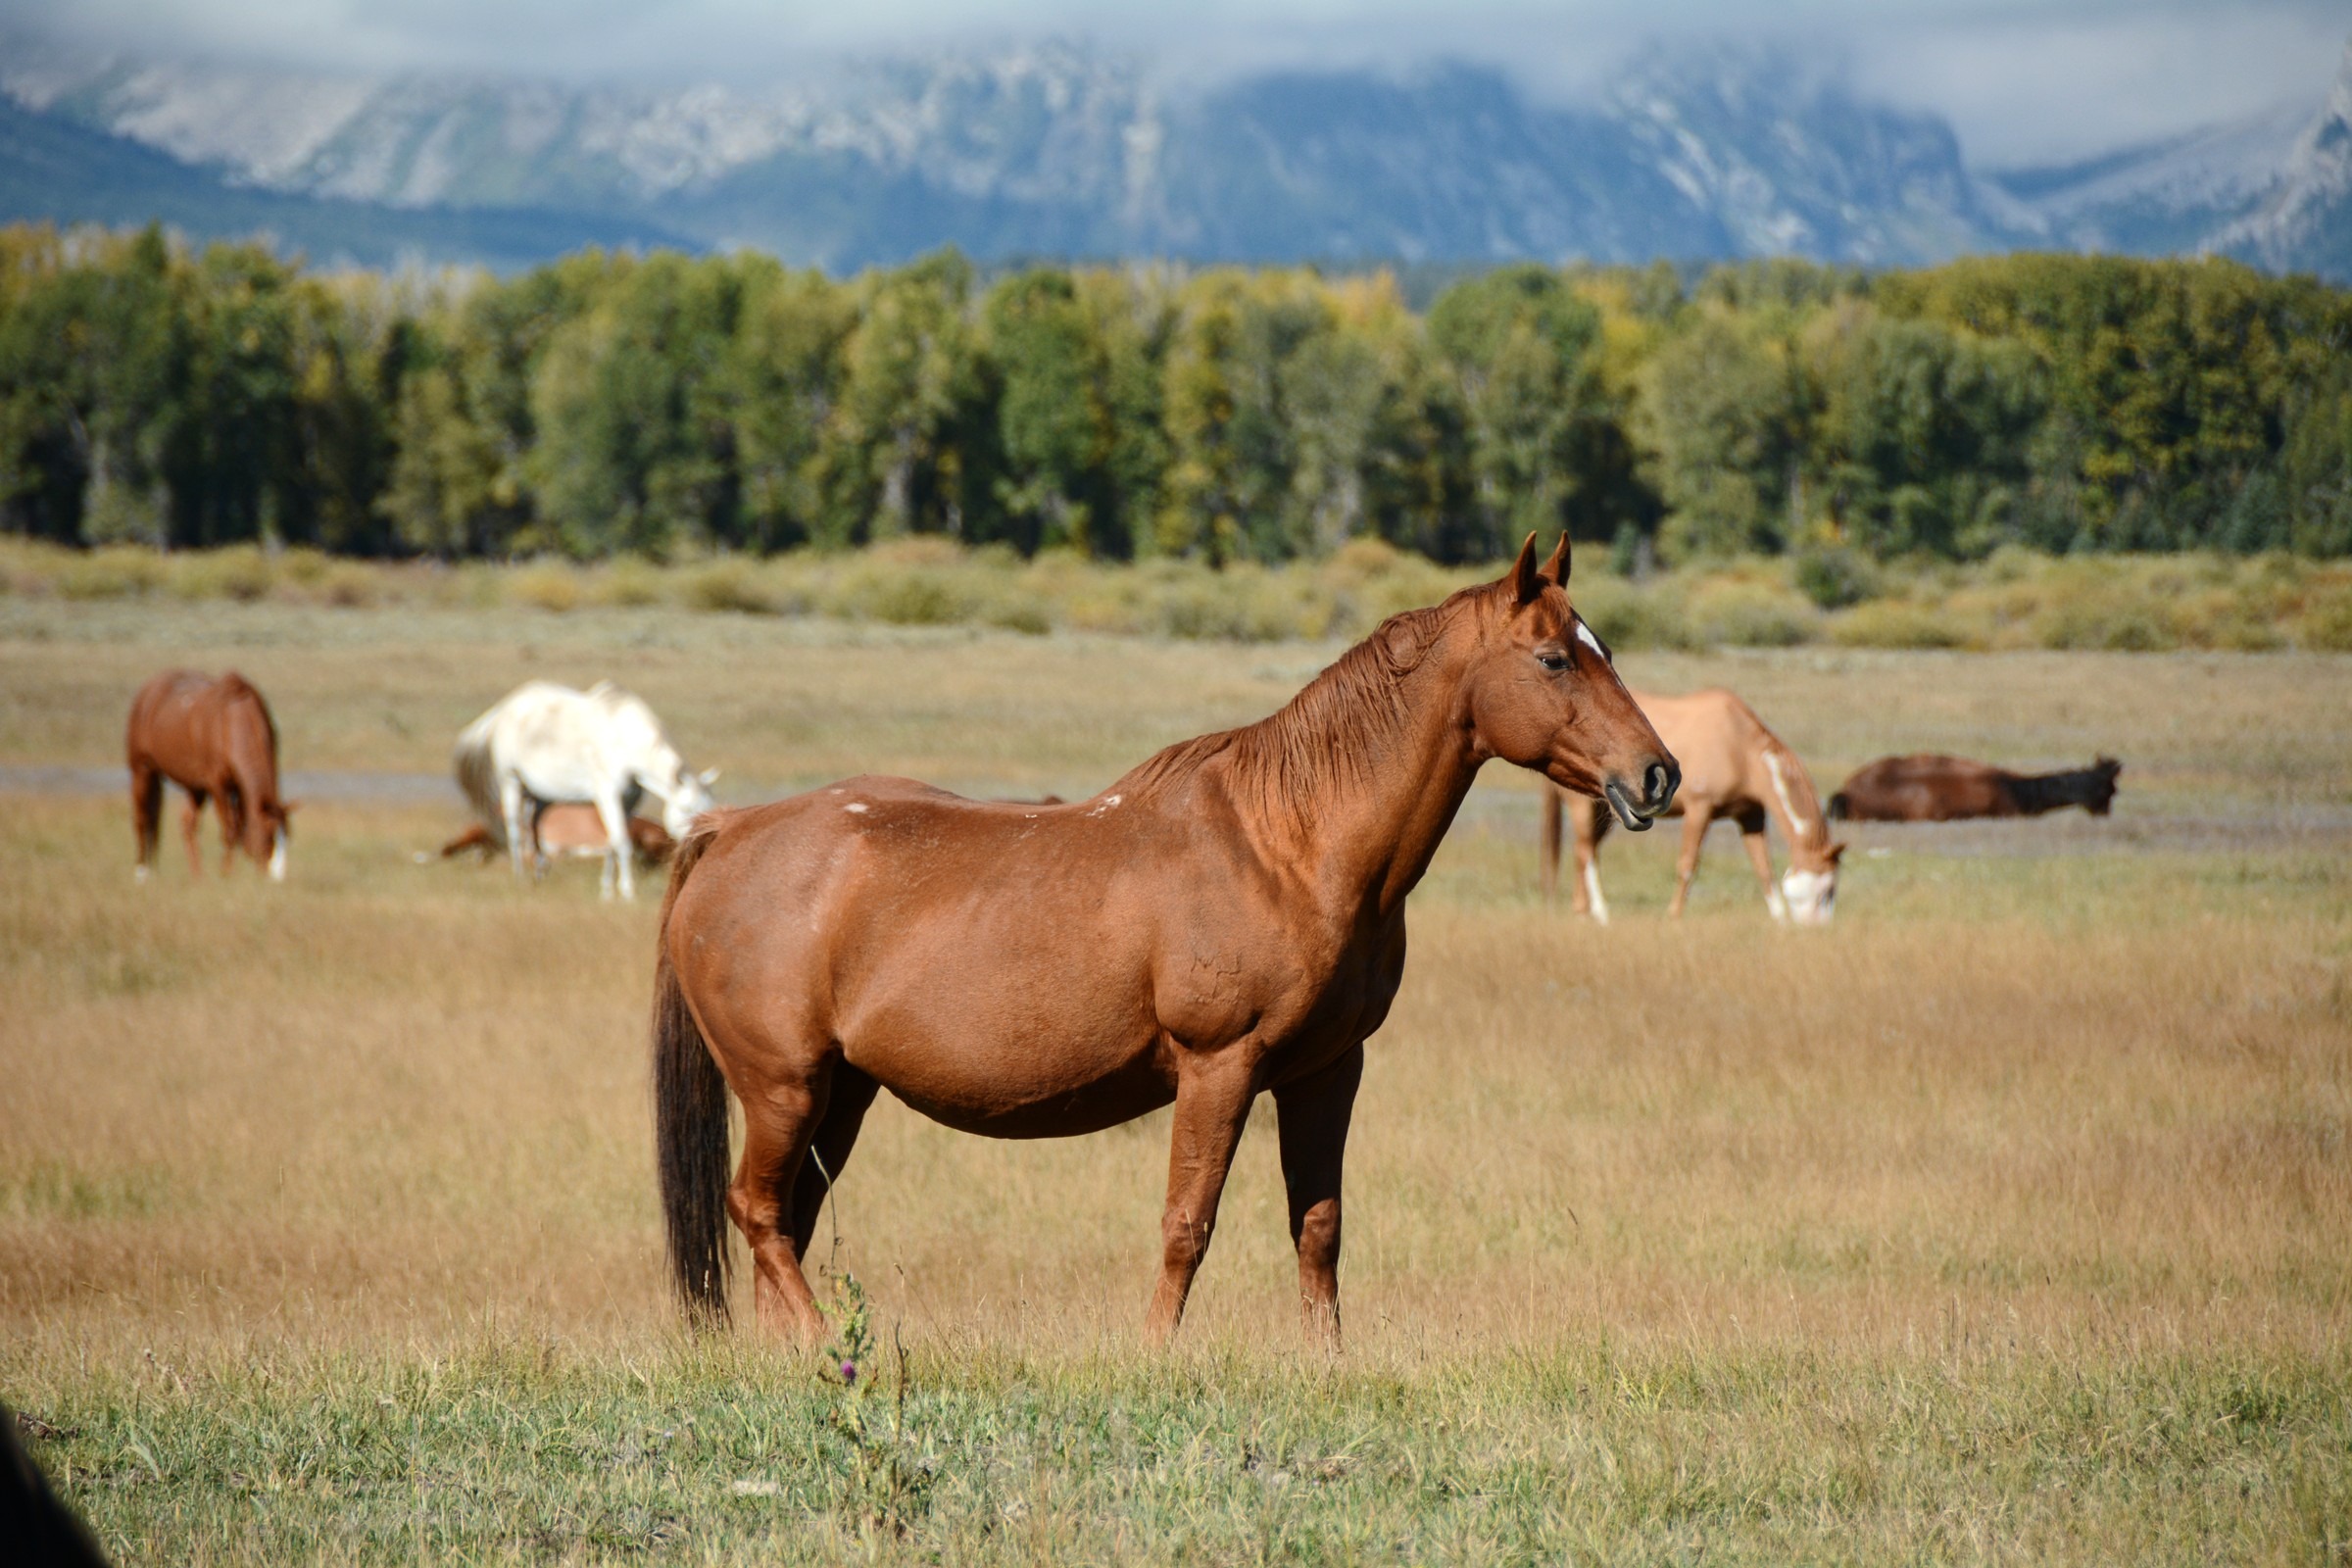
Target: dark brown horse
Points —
{"points": [[214, 739], [1945, 789], [1226, 919]]}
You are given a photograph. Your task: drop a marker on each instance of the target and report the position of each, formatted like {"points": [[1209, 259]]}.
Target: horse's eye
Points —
{"points": [[1553, 659]]}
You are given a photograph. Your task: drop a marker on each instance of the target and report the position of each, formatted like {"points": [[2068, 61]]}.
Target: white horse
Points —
{"points": [[547, 744]]}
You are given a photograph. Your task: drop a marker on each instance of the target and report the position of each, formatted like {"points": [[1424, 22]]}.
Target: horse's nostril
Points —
{"points": [[1657, 783]]}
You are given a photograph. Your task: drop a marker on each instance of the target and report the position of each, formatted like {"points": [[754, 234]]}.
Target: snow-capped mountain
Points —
{"points": [[1060, 149]]}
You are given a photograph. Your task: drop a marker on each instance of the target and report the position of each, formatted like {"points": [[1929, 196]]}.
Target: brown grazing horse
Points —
{"points": [[568, 828], [1226, 919], [213, 738], [1945, 789], [1732, 766]]}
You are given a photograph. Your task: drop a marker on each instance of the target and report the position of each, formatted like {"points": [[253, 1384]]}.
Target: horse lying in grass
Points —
{"points": [[216, 739], [547, 744], [566, 828], [1946, 789], [1732, 766], [1226, 919]]}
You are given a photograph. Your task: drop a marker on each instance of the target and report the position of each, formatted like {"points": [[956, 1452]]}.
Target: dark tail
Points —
{"points": [[1840, 807], [690, 1126]]}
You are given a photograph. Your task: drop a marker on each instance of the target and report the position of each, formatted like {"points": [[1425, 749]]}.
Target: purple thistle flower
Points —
{"points": [[849, 1372]]}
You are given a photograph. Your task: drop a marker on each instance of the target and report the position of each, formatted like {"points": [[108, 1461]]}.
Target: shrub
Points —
{"points": [[546, 585], [1835, 578], [1897, 623], [240, 573], [1629, 615], [727, 583], [349, 585], [1746, 614], [628, 583], [2327, 621], [118, 572]]}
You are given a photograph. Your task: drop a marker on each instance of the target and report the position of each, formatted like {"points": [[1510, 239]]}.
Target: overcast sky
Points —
{"points": [[2022, 81]]}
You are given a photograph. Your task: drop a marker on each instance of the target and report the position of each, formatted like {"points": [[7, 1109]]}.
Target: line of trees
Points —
{"points": [[659, 404]]}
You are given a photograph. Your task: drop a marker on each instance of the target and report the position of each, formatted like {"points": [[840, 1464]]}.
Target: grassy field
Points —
{"points": [[2009, 1219]]}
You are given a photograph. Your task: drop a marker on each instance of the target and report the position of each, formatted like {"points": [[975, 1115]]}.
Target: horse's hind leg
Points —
{"points": [[229, 807], [1685, 866], [850, 1094], [1312, 1115], [780, 1118], [191, 816], [146, 812]]}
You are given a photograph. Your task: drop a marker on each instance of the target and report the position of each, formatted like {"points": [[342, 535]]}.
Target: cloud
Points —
{"points": [[2021, 81]]}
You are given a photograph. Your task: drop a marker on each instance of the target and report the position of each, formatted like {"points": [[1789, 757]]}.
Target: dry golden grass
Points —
{"points": [[2019, 1116]]}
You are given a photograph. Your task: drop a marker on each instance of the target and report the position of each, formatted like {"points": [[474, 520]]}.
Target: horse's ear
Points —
{"points": [[1833, 853], [1555, 570], [1526, 582]]}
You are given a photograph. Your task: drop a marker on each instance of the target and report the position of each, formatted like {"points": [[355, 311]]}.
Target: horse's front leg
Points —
{"points": [[1312, 1116], [616, 818], [509, 807], [1213, 1104]]}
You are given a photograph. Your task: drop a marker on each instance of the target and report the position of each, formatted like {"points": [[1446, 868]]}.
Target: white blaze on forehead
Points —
{"points": [[1780, 787], [1583, 634]]}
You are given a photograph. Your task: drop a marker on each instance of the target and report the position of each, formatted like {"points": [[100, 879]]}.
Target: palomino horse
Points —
{"points": [[548, 744], [1225, 919], [214, 739], [1732, 766], [1945, 789]]}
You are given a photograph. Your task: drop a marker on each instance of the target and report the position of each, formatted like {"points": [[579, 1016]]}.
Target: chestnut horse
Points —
{"points": [[1945, 789], [566, 828], [214, 739], [1225, 919], [1732, 766]]}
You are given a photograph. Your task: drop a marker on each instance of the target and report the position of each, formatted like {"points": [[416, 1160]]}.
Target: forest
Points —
{"points": [[668, 406]]}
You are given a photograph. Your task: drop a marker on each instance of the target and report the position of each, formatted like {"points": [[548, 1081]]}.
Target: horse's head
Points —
{"points": [[1543, 692], [1809, 886], [2099, 799], [268, 827], [685, 795]]}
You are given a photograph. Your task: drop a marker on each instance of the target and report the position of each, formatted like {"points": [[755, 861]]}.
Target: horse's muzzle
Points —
{"points": [[1659, 781]]}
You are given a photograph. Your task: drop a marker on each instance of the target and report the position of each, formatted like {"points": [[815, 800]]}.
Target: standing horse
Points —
{"points": [[1732, 766], [214, 739], [1227, 918], [546, 744]]}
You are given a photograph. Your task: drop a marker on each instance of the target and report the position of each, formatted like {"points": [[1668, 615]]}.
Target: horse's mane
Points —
{"points": [[1328, 737], [1800, 799], [238, 692]]}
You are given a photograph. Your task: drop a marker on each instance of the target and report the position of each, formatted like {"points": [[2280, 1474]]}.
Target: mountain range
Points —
{"points": [[1062, 150]]}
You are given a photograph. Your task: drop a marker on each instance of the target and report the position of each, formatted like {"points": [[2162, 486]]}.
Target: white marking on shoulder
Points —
{"points": [[1109, 802], [1583, 634], [854, 806], [1780, 787]]}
